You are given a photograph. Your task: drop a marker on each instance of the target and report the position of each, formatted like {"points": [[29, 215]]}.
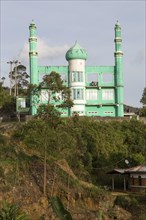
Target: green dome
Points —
{"points": [[76, 52]]}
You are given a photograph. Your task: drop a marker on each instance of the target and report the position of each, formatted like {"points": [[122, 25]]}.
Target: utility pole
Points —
{"points": [[16, 86], [11, 63], [16, 89]]}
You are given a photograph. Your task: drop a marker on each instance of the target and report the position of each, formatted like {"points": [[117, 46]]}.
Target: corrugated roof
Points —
{"points": [[136, 169], [116, 171], [140, 168]]}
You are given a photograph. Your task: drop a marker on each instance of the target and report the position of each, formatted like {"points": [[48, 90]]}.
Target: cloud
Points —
{"points": [[44, 51], [139, 56]]}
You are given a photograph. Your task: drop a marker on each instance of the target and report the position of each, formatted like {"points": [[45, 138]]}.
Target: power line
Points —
{"points": [[100, 168]]}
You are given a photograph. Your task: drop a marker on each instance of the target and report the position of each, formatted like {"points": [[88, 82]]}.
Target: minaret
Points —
{"points": [[33, 62], [118, 71]]}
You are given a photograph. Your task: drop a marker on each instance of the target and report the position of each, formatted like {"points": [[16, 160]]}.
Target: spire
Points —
{"points": [[32, 24], [117, 24], [118, 39]]}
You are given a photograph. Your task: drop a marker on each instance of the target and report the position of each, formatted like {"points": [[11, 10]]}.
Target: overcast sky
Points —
{"points": [[91, 23]]}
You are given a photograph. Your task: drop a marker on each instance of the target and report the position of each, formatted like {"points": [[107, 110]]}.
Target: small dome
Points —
{"points": [[76, 52]]}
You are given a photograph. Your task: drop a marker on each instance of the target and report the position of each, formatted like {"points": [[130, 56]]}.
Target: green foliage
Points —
{"points": [[49, 113], [35, 134], [143, 99], [90, 147], [19, 79], [126, 201], [142, 217], [11, 212], [6, 101], [58, 93], [59, 209], [3, 140], [143, 111]]}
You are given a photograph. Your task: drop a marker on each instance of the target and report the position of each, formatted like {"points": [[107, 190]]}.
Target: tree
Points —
{"points": [[38, 135], [50, 114], [143, 101], [58, 95], [7, 103], [19, 79], [3, 79]]}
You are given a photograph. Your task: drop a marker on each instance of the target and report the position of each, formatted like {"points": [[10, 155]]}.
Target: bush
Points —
{"points": [[125, 201], [11, 212], [121, 201]]}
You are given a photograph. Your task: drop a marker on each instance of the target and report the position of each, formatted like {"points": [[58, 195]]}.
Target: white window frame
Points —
{"points": [[44, 95], [78, 94], [77, 76], [107, 94], [91, 94]]}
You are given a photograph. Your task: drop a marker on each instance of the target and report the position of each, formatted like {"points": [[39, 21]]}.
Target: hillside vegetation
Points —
{"points": [[68, 158]]}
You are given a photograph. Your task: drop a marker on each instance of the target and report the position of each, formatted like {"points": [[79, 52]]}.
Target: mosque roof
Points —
{"points": [[76, 52]]}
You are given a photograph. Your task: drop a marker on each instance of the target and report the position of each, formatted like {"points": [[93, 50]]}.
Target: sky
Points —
{"points": [[91, 23]]}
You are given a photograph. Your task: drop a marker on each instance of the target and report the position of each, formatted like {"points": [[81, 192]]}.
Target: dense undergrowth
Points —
{"points": [[79, 152], [90, 147]]}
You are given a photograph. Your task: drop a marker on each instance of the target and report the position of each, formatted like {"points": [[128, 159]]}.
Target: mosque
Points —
{"points": [[95, 90]]}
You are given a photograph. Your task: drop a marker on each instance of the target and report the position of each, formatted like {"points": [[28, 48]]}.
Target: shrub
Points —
{"points": [[122, 201], [125, 201], [11, 212]]}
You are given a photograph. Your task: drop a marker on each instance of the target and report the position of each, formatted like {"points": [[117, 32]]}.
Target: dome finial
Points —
{"points": [[32, 22], [75, 43], [117, 23]]}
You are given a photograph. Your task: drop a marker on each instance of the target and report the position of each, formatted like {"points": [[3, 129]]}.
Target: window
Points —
{"points": [[93, 113], [107, 77], [91, 94], [92, 77], [107, 94], [44, 96], [64, 113], [23, 103], [109, 113], [63, 77], [78, 94], [77, 76]]}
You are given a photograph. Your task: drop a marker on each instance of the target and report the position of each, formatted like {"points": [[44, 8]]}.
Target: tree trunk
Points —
{"points": [[45, 171]]}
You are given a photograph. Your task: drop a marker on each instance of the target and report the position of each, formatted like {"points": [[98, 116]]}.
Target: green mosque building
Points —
{"points": [[95, 90]]}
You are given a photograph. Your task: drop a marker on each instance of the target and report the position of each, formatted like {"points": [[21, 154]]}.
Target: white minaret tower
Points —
{"points": [[76, 57]]}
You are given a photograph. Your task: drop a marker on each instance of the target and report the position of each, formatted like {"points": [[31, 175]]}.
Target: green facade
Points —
{"points": [[96, 90]]}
